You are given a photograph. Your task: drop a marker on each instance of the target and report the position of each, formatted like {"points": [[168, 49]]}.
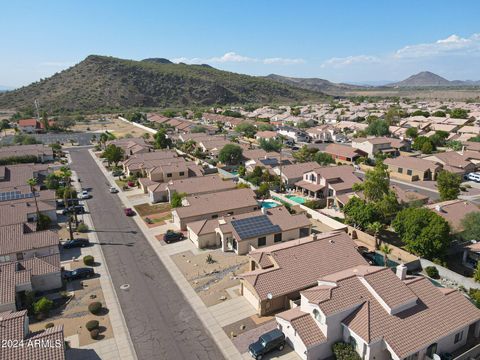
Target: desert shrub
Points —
{"points": [[432, 271], [49, 325], [88, 260], [94, 333], [92, 324], [83, 228], [475, 296], [313, 204], [42, 306], [344, 351], [95, 307]]}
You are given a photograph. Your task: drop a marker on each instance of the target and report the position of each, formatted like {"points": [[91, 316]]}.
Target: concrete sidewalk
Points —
{"points": [[226, 346], [121, 346]]}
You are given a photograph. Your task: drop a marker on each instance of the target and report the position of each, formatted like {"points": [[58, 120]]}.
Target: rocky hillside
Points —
{"points": [[314, 84], [107, 83]]}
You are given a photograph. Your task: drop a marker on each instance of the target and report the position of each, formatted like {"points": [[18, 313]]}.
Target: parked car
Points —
{"points": [[117, 172], [80, 273], [113, 190], [269, 341], [84, 195], [76, 243], [78, 209], [474, 177], [129, 212], [172, 236]]}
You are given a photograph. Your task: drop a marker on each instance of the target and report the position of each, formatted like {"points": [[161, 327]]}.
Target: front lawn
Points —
{"points": [[147, 209]]}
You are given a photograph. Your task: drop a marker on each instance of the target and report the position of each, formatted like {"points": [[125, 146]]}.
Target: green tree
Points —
{"points": [[114, 154], [305, 154], [263, 190], [376, 183], [412, 132], [246, 129], [439, 138], [448, 185], [32, 183], [176, 200], [423, 232], [419, 144], [359, 213], [387, 207], [476, 273], [386, 250], [323, 158], [270, 145], [420, 113], [198, 129], [265, 127], [230, 154], [52, 181], [375, 228], [459, 113], [66, 175], [162, 141], [455, 145], [242, 171], [344, 351], [378, 127], [471, 225], [427, 148], [439, 113], [42, 306]]}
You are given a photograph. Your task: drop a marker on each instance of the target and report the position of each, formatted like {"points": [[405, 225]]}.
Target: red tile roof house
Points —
{"points": [[327, 183], [40, 345], [343, 153], [244, 232], [384, 145], [215, 205], [279, 272], [29, 126], [162, 192], [383, 315]]}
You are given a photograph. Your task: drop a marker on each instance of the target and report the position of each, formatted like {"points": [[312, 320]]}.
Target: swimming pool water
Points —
{"points": [[296, 198], [269, 204]]}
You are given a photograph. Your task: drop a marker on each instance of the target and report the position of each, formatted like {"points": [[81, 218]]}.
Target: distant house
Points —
{"points": [[454, 211], [279, 272], [343, 153], [132, 146], [214, 205], [453, 161], [29, 126], [240, 233], [380, 145], [43, 153], [266, 135], [412, 169]]}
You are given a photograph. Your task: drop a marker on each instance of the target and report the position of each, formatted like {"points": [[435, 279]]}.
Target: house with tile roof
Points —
{"points": [[214, 205], [132, 146], [381, 145], [41, 152], [290, 174], [343, 153], [382, 314], [409, 168], [39, 345], [278, 273], [244, 232], [453, 161], [328, 183], [162, 192]]}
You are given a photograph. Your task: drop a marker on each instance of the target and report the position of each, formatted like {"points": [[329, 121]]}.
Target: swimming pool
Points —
{"points": [[268, 204], [297, 199]]}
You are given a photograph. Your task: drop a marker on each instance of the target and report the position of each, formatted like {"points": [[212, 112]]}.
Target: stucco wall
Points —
{"points": [[47, 282]]}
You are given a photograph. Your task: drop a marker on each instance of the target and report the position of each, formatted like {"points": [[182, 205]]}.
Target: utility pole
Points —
{"points": [[37, 109]]}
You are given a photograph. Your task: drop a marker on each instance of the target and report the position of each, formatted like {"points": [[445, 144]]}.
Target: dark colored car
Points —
{"points": [[78, 209], [172, 236], [80, 273], [269, 341], [129, 212], [69, 244], [117, 172]]}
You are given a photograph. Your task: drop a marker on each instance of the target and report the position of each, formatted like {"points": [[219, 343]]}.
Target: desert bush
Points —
{"points": [[83, 228], [91, 325], [42, 306], [432, 271], [94, 333], [49, 325], [88, 260], [95, 307]]}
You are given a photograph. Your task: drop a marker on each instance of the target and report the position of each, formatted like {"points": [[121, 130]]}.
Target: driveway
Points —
{"points": [[161, 322]]}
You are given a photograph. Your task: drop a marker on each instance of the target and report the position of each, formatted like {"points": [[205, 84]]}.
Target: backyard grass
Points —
{"points": [[147, 209]]}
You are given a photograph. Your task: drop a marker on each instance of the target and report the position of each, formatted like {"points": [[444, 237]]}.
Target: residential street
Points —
{"points": [[161, 322]]}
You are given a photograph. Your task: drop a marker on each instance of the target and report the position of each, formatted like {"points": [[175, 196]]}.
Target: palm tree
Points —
{"points": [[66, 174], [375, 228], [32, 183], [386, 250]]}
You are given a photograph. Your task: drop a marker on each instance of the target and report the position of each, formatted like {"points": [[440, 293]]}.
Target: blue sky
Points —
{"points": [[349, 41]]}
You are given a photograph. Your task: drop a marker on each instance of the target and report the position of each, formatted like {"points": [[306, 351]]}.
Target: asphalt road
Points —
{"points": [[161, 322]]}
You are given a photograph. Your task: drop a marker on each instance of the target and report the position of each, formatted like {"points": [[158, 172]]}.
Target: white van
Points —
{"points": [[474, 177]]}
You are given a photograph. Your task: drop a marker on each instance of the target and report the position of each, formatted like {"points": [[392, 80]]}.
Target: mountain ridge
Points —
{"points": [[102, 82], [430, 79]]}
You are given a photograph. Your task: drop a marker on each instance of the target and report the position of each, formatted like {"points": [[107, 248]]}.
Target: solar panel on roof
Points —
{"points": [[254, 227]]}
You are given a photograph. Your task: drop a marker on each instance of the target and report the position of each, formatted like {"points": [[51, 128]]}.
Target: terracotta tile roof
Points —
{"points": [[342, 150], [297, 170], [202, 184], [433, 316], [308, 330], [12, 326], [19, 237], [309, 186], [300, 263], [409, 162], [454, 211]]}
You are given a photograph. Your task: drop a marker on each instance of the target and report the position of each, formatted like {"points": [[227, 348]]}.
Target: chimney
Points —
{"points": [[314, 236], [463, 149], [401, 271]]}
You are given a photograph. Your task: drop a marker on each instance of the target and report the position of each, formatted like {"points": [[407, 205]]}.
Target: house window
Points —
{"points": [[262, 241], [409, 172], [277, 237], [458, 337], [318, 316], [400, 170], [169, 174], [182, 173]]}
